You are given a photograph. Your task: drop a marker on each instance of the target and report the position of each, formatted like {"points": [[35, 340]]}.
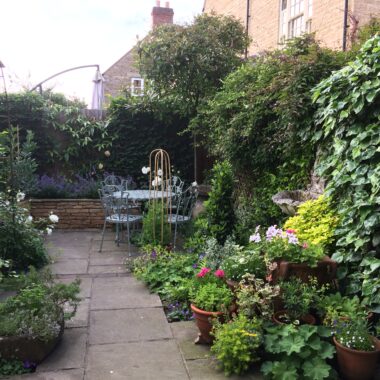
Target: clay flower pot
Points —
{"points": [[203, 319], [325, 271], [355, 364], [307, 319]]}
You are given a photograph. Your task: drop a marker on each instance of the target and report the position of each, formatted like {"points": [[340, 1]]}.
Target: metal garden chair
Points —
{"points": [[183, 210], [117, 212]]}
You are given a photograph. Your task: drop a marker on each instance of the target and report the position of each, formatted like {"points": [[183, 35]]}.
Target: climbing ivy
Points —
{"points": [[348, 127]]}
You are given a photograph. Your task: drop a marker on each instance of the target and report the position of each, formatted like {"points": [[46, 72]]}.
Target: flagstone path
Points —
{"points": [[120, 330]]}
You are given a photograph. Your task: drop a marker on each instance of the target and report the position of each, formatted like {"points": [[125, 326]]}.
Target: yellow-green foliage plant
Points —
{"points": [[315, 222]]}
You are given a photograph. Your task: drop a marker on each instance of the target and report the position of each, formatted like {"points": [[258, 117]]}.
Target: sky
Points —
{"points": [[39, 38]]}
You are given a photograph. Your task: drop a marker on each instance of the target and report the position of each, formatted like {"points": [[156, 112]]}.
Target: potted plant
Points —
{"points": [[247, 261], [237, 343], [32, 321], [298, 298], [210, 298], [358, 352], [292, 256], [255, 298]]}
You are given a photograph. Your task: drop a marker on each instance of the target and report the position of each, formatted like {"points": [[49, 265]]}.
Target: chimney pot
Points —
{"points": [[158, 3], [167, 4]]}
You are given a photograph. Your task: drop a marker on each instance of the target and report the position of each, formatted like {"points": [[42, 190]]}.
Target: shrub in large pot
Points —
{"points": [[210, 299], [292, 257], [358, 352], [32, 321]]}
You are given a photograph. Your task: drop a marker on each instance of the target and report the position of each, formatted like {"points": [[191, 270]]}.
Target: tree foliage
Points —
{"points": [[349, 131], [189, 62]]}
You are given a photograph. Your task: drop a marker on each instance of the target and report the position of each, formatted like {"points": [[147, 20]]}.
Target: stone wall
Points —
{"points": [[72, 213]]}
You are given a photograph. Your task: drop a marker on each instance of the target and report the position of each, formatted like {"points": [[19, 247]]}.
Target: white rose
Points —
{"points": [[29, 219], [159, 172], [194, 184], [145, 169], [54, 218], [49, 231], [20, 196], [100, 166]]}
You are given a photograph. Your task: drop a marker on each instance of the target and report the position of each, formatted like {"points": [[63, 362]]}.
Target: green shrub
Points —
{"points": [[236, 344], [315, 222], [219, 206]]}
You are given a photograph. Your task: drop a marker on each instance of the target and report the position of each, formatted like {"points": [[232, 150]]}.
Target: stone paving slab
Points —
{"points": [[128, 325], [185, 334], [104, 269], [58, 253], [69, 374], [69, 354], [78, 266], [158, 360], [120, 293], [108, 259], [81, 317]]}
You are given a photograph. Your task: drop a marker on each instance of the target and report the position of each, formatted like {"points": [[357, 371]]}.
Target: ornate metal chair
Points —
{"points": [[117, 212], [183, 209]]}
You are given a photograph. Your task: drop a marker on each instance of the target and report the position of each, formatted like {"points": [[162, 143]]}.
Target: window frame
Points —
{"points": [[133, 88]]}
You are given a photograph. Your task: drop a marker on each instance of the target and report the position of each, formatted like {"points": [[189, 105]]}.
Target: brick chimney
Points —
{"points": [[162, 15]]}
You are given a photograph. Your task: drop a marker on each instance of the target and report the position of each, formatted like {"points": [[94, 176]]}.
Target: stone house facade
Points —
{"points": [[270, 22], [124, 74]]}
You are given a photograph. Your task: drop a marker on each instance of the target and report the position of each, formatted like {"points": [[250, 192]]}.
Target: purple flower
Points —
{"points": [[292, 239], [255, 238], [153, 255], [195, 265], [273, 232]]}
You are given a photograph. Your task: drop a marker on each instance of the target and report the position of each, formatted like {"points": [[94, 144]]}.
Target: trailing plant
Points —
{"points": [[237, 343], [38, 308], [315, 222], [349, 132], [15, 367], [298, 353]]}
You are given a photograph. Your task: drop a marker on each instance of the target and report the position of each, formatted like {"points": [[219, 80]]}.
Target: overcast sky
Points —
{"points": [[39, 38]]}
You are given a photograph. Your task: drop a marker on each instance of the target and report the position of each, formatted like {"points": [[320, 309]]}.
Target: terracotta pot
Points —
{"points": [[203, 319], [307, 319], [354, 364], [28, 349], [325, 271]]}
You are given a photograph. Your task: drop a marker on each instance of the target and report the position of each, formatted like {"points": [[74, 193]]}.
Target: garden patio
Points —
{"points": [[120, 330]]}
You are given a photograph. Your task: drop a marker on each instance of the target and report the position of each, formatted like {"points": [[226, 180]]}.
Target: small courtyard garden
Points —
{"points": [[278, 266]]}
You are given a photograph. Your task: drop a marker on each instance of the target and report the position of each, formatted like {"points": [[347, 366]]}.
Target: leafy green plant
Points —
{"points": [[315, 222], [243, 262], [212, 297], [154, 232], [255, 297], [15, 367], [215, 254], [349, 135], [297, 353], [237, 343], [38, 308], [299, 296]]}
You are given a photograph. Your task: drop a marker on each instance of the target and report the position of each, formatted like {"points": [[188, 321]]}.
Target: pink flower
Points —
{"points": [[305, 245], [291, 231], [203, 272], [219, 273]]}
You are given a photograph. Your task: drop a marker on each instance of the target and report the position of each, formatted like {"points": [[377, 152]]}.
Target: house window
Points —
{"points": [[137, 86], [295, 18]]}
